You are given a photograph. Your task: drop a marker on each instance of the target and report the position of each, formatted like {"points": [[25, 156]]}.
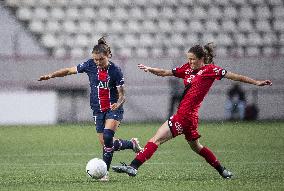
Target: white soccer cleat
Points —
{"points": [[105, 178], [136, 147]]}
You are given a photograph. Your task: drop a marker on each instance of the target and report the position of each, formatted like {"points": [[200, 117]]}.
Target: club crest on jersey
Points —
{"points": [[103, 85]]}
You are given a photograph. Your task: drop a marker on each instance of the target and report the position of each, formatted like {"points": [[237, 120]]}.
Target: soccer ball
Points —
{"points": [[96, 168]]}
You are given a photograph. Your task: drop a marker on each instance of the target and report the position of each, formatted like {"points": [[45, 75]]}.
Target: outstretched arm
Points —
{"points": [[59, 73], [156, 71], [245, 79]]}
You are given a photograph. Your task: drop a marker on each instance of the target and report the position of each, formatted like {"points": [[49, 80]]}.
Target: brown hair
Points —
{"points": [[206, 52], [102, 47]]}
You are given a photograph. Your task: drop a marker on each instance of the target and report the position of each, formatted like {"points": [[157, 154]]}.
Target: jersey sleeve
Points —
{"points": [[217, 72], [179, 72], [81, 68], [119, 78]]}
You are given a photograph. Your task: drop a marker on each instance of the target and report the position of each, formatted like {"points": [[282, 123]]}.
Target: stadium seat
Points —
{"points": [[82, 41], [156, 52], [254, 39], [104, 13], [177, 40], [120, 13], [151, 13], [180, 26], [135, 13], [240, 2], [72, 13], [57, 13], [59, 52], [208, 37], [36, 26], [125, 52], [223, 39], [214, 12], [240, 39], [101, 26], [88, 13], [281, 40], [212, 26], [167, 13], [133, 26], [149, 26], [269, 51], [164, 25], [263, 26], [221, 51], [246, 12], [173, 52], [142, 52], [191, 39], [256, 2], [252, 51], [262, 12], [145, 40], [187, 2], [116, 26], [199, 13], [245, 26], [24, 13], [278, 12], [85, 27], [183, 13], [275, 3], [52, 26], [49, 40], [40, 13], [269, 39], [224, 3], [230, 12], [278, 25], [69, 26], [195, 26], [77, 52], [130, 40], [228, 26]]}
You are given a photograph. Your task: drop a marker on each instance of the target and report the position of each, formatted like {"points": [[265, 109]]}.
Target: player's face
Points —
{"points": [[194, 62], [101, 60]]}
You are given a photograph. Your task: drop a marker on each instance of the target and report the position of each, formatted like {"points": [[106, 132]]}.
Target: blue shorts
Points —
{"points": [[101, 117]]}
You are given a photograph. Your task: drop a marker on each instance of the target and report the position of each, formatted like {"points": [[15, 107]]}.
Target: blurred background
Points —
{"points": [[41, 36]]}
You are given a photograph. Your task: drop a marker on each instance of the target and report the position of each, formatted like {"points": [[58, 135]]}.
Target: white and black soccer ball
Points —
{"points": [[96, 168]]}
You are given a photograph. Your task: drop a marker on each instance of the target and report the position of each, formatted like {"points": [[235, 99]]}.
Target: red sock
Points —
{"points": [[147, 152], [209, 157]]}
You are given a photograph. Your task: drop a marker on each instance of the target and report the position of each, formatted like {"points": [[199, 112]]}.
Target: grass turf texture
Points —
{"points": [[54, 158]]}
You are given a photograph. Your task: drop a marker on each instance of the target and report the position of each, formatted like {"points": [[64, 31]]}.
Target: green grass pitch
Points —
{"points": [[54, 158]]}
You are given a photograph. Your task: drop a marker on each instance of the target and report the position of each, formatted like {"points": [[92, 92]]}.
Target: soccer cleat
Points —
{"points": [[136, 147], [123, 168], [105, 178], [226, 173]]}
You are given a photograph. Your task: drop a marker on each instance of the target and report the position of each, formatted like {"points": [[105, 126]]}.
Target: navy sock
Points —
{"points": [[108, 146], [120, 144]]}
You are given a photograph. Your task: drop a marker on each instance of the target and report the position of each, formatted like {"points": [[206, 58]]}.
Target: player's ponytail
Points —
{"points": [[102, 47], [209, 53]]}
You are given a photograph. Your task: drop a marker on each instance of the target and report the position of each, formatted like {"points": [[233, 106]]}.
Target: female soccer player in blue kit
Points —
{"points": [[106, 98]]}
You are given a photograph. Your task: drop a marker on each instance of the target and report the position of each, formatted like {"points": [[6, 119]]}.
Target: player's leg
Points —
{"points": [[162, 135], [209, 156], [121, 144]]}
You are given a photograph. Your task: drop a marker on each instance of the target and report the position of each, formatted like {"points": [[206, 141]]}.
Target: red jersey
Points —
{"points": [[197, 84]]}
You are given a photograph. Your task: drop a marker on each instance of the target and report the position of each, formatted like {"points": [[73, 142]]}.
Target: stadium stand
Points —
{"points": [[70, 27]]}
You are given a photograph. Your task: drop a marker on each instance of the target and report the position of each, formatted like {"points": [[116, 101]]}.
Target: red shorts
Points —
{"points": [[187, 126]]}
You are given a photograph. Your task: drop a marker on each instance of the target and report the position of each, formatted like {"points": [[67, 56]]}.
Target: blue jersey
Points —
{"points": [[103, 83]]}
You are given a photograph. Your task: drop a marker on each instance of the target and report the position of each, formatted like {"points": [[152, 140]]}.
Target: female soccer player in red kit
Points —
{"points": [[198, 75]]}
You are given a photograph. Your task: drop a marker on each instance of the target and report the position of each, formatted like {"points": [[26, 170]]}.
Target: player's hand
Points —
{"points": [[264, 83], [114, 106], [143, 67], [45, 77]]}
